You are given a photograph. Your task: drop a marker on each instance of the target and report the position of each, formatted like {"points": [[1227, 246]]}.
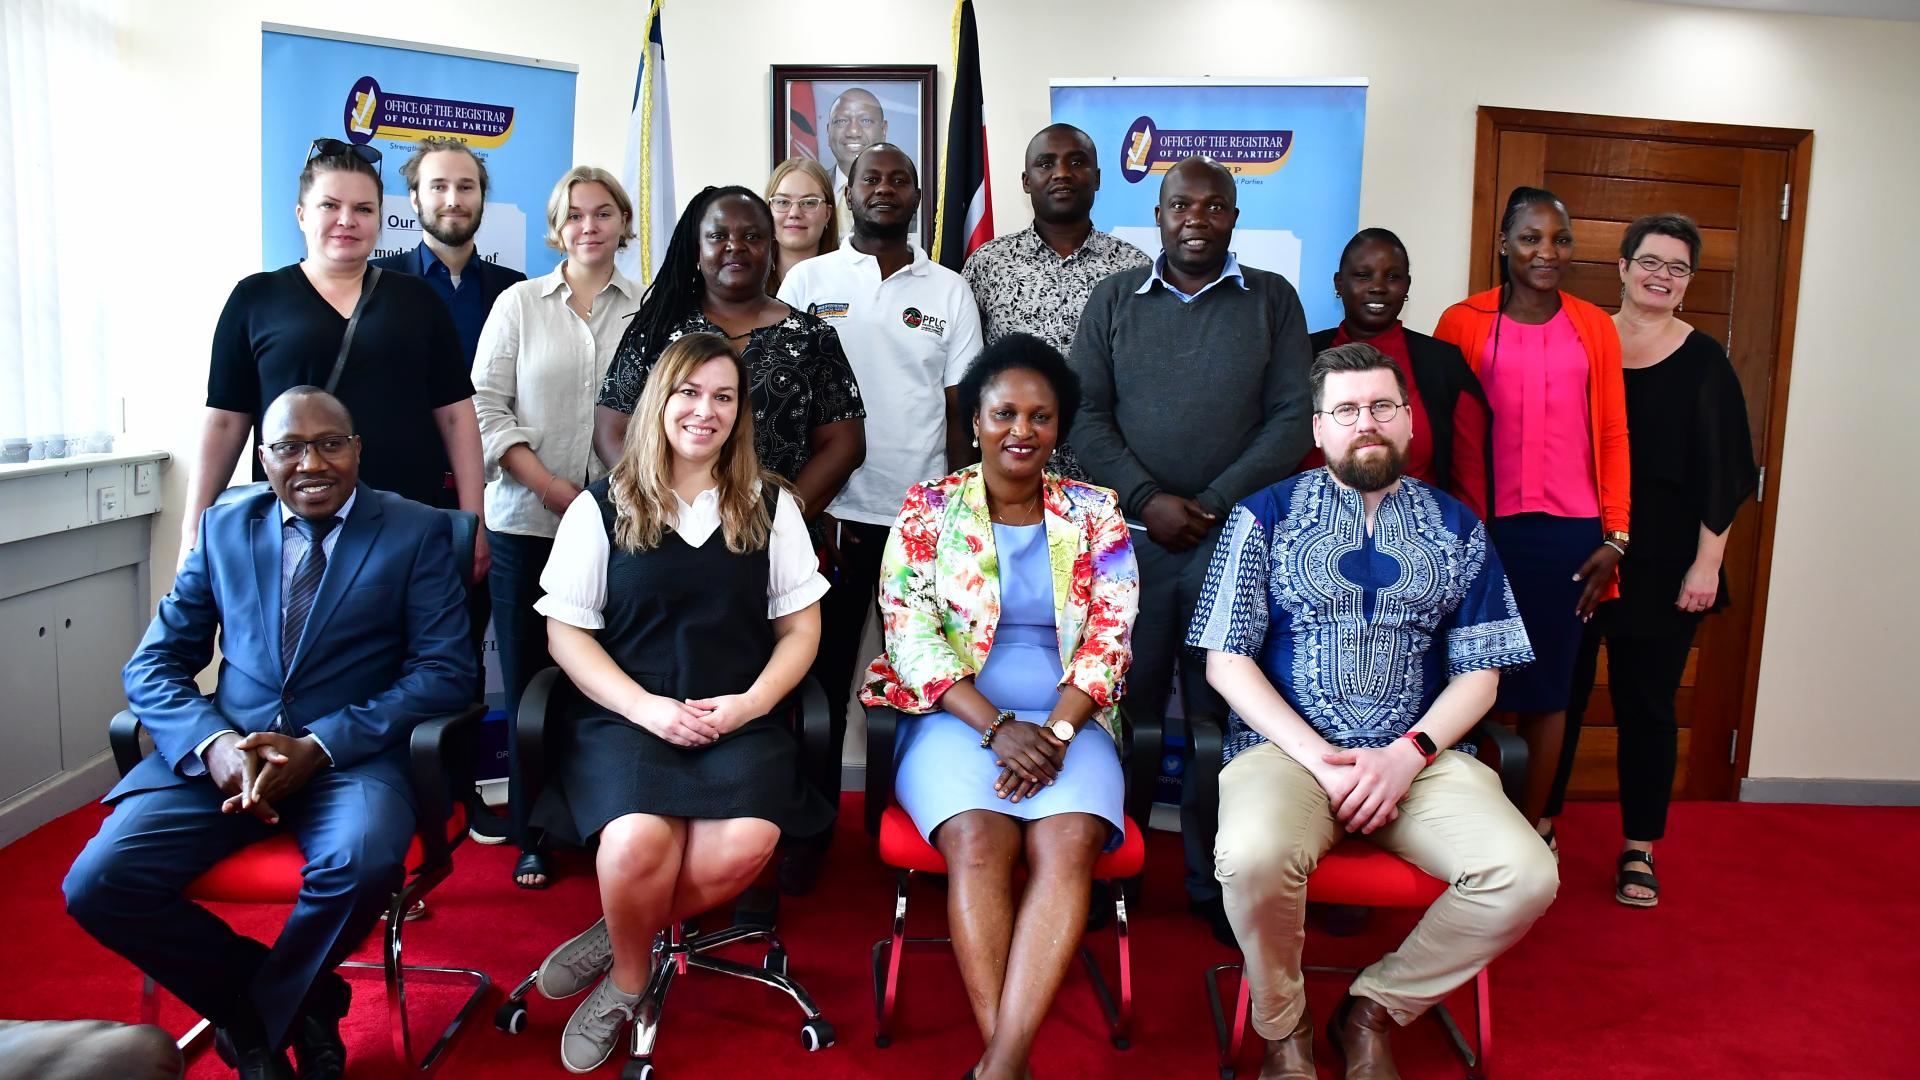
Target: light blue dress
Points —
{"points": [[941, 769]]}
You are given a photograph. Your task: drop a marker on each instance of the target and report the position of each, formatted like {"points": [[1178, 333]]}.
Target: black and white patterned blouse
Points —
{"points": [[1023, 286], [799, 379]]}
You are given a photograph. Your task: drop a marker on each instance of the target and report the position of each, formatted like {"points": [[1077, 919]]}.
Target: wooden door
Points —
{"points": [[1746, 188]]}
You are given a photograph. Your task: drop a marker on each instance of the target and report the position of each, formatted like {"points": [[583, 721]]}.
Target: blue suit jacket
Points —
{"points": [[384, 648]]}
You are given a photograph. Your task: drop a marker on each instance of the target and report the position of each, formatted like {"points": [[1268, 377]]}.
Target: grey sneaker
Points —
{"points": [[573, 966], [594, 1030]]}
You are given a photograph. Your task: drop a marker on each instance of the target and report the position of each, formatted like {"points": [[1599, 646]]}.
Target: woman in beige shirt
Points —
{"points": [[535, 375]]}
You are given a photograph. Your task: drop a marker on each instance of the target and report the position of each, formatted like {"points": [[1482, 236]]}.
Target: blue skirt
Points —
{"points": [[942, 771], [1541, 553]]}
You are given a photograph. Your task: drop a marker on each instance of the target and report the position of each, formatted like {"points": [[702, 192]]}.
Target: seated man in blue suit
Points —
{"points": [[340, 616]]}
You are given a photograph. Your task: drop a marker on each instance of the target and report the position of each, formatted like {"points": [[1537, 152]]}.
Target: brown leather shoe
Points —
{"points": [[1358, 1032], [1291, 1058]]}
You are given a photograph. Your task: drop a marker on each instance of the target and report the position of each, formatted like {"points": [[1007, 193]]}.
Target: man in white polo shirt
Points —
{"points": [[910, 327]]}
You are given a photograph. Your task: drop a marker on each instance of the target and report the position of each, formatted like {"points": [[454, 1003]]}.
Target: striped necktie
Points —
{"points": [[305, 584]]}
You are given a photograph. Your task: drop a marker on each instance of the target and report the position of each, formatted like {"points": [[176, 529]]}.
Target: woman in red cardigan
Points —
{"points": [[1558, 501]]}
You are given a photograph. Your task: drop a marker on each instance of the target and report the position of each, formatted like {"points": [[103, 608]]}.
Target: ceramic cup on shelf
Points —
{"points": [[13, 451], [57, 446]]}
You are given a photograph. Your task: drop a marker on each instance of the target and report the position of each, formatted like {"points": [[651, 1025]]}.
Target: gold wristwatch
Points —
{"points": [[1617, 536], [1063, 730]]}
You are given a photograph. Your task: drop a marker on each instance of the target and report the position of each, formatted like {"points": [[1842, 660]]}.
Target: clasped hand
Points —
{"points": [[695, 721], [260, 769], [1366, 786], [1030, 757]]}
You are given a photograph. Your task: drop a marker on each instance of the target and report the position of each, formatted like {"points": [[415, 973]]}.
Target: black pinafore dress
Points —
{"points": [[684, 622]]}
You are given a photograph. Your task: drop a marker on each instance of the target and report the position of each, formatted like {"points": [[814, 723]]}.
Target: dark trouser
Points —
{"points": [[520, 633], [843, 617], [1169, 587], [1643, 675], [125, 888]]}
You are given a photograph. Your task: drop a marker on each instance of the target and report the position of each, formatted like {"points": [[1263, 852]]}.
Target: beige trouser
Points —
{"points": [[1454, 823]]}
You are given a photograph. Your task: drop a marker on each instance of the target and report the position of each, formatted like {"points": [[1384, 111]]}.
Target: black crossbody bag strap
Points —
{"points": [[353, 321]]}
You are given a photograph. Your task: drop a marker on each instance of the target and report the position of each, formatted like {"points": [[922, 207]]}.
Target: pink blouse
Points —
{"points": [[1542, 450]]}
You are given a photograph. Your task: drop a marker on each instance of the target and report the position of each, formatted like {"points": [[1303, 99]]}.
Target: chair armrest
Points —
{"points": [[1512, 752], [466, 525], [123, 734], [1146, 741], [1207, 733], [530, 727], [882, 728], [440, 753], [819, 758]]}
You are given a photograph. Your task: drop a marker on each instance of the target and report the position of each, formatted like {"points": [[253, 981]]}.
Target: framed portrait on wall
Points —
{"points": [[829, 113]]}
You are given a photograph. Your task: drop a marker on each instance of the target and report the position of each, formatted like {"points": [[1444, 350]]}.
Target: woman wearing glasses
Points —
{"points": [[1558, 509], [403, 378], [1692, 469], [1445, 402], [805, 220], [540, 356]]}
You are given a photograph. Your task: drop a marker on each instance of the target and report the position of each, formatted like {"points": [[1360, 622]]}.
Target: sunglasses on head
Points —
{"points": [[323, 148]]}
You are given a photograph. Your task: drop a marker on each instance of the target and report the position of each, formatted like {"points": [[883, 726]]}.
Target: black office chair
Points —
{"points": [[677, 948], [906, 851], [1355, 873], [441, 752]]}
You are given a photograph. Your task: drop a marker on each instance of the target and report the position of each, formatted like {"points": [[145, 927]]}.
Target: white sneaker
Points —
{"points": [[573, 966], [595, 1027]]}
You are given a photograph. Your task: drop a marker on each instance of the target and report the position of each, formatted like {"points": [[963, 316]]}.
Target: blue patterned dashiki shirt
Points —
{"points": [[1358, 632]]}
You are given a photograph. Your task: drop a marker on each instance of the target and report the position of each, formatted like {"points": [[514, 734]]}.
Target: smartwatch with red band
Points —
{"points": [[1424, 743]]}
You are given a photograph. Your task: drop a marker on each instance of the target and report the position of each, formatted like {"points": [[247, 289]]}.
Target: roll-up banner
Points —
{"points": [[1294, 146], [516, 112]]}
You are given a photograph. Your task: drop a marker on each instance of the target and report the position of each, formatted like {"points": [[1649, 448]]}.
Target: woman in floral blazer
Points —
{"points": [[1008, 596]]}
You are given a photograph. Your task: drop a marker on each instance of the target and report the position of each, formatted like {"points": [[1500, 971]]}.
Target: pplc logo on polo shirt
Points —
{"points": [[933, 324]]}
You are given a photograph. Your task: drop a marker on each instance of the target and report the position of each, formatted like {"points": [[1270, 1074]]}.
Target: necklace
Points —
{"points": [[1031, 508]]}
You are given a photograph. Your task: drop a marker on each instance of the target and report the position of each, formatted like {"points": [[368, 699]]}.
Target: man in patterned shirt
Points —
{"points": [[1036, 281], [1356, 621]]}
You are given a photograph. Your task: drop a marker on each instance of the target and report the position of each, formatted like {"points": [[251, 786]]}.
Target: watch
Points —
{"points": [[1619, 535], [1424, 743], [1063, 730]]}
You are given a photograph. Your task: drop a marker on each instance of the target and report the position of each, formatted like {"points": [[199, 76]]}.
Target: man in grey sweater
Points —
{"points": [[1194, 376]]}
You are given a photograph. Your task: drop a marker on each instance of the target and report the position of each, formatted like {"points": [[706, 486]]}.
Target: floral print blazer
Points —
{"points": [[940, 592]]}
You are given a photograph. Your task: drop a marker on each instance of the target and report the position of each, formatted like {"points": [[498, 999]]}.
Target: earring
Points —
{"points": [[976, 442]]}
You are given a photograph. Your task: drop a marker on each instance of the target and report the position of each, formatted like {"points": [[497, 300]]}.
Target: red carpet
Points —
{"points": [[1787, 945]]}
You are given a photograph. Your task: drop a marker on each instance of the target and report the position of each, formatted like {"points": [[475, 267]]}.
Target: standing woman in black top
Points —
{"points": [[403, 378], [1692, 469]]}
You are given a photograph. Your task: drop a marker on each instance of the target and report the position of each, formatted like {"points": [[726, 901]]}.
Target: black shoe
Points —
{"points": [[486, 827], [800, 866], [758, 907], [1213, 912], [244, 1047], [317, 1047]]}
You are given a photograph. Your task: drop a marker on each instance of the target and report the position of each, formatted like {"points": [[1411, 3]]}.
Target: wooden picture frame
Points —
{"points": [[801, 121]]}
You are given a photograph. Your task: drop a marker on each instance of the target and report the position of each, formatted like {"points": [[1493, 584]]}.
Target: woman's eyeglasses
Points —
{"points": [[1348, 414], [1652, 264], [781, 204], [335, 148]]}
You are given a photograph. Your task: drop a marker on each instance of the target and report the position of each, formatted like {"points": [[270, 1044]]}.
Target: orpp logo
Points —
{"points": [[1136, 151]]}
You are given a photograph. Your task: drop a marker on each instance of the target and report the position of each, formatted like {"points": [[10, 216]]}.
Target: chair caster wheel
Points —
{"points": [[1120, 1042], [1226, 1072], [816, 1035], [638, 1069], [775, 961], [511, 1017], [883, 1041]]}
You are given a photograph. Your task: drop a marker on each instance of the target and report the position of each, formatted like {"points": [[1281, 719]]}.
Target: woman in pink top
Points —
{"points": [[1550, 363]]}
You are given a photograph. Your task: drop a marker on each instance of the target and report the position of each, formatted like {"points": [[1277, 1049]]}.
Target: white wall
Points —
{"points": [[1831, 703]]}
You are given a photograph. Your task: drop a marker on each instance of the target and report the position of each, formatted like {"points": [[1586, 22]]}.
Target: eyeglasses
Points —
{"points": [[1652, 264], [332, 448], [335, 148], [1348, 414], [781, 204]]}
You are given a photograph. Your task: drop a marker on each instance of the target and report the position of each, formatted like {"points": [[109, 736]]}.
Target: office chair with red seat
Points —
{"points": [[903, 848], [684, 946], [1356, 873]]}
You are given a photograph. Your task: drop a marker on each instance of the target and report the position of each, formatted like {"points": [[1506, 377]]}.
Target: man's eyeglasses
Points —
{"points": [[1652, 264], [332, 448], [1348, 414], [335, 148], [781, 204]]}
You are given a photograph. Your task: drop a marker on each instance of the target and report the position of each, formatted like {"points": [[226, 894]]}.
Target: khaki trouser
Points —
{"points": [[1454, 823]]}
